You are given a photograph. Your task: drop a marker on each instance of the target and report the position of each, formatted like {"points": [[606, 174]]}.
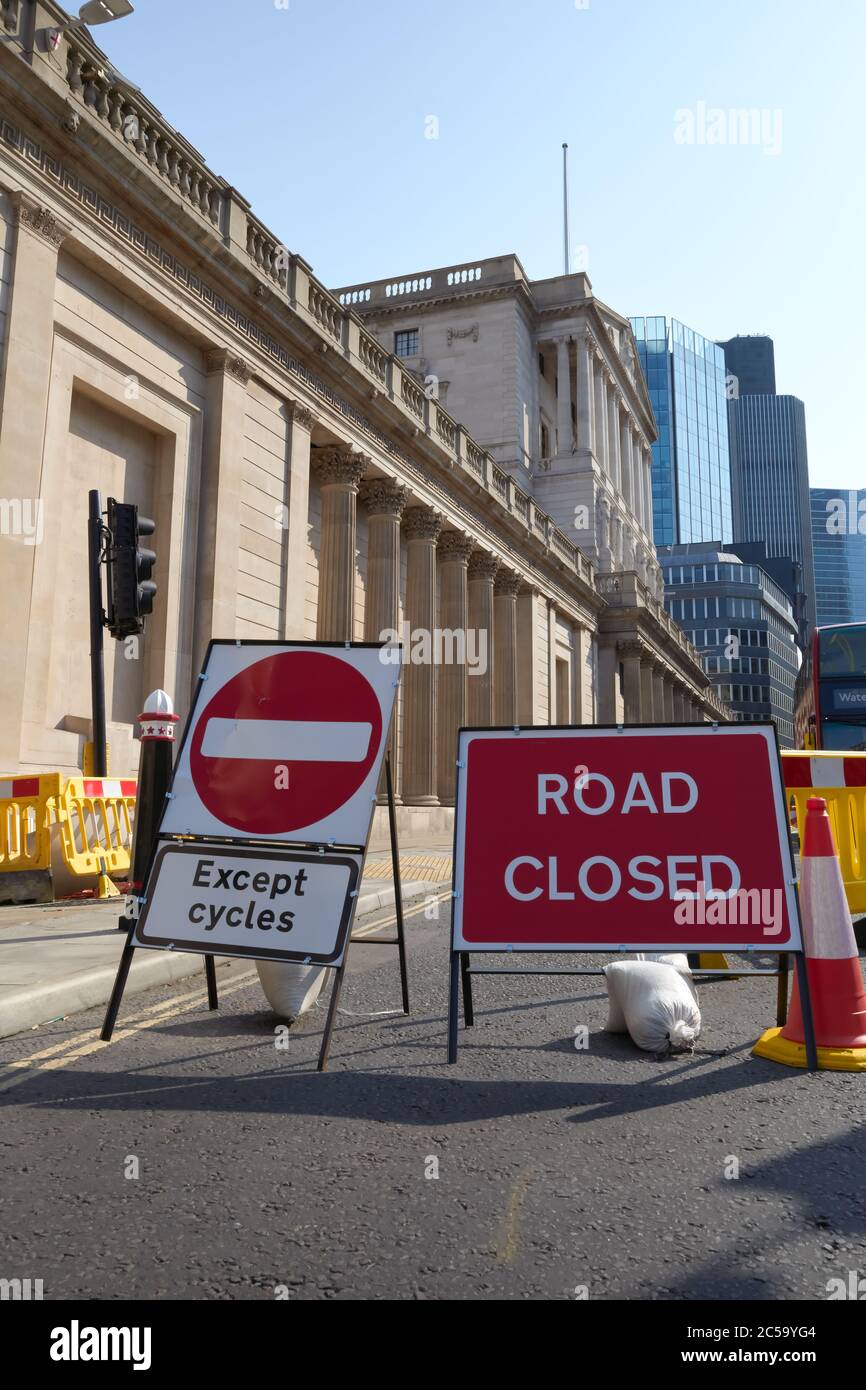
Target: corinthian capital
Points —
{"points": [[221, 360], [422, 524], [337, 465], [508, 582], [383, 496], [455, 547], [482, 565]]}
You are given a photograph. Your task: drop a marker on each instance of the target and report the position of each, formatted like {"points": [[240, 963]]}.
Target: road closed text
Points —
{"points": [[602, 877]]}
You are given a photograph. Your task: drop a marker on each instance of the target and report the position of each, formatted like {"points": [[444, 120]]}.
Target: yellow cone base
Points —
{"points": [[793, 1054], [105, 888], [713, 960]]}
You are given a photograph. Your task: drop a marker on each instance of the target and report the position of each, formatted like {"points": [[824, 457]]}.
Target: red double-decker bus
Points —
{"points": [[830, 694]]}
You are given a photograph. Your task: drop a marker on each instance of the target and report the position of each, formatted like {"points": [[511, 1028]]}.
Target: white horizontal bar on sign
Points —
{"points": [[286, 740]]}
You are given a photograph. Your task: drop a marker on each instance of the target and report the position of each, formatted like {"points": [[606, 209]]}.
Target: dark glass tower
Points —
{"points": [[839, 545], [770, 476], [752, 361], [691, 477]]}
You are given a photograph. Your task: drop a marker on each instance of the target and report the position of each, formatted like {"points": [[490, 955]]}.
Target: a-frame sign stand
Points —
{"points": [[155, 844]]}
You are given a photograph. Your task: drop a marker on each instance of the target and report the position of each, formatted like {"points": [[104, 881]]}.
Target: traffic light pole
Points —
{"points": [[97, 662]]}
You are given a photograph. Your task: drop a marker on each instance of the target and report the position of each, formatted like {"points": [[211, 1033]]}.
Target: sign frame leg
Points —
{"points": [[782, 990], [119, 986], [210, 975], [453, 1005], [398, 887], [806, 1011], [466, 987]]}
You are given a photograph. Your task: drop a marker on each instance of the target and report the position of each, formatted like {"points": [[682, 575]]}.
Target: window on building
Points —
{"points": [[407, 343], [541, 363]]}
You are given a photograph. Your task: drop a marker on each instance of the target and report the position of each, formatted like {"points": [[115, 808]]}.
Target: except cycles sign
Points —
{"points": [[273, 905], [581, 839]]}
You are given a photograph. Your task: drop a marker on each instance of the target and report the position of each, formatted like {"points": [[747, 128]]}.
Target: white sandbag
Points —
{"points": [[290, 989], [658, 1004], [678, 959]]}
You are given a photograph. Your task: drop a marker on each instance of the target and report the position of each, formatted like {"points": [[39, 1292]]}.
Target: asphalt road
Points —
{"points": [[561, 1173]]}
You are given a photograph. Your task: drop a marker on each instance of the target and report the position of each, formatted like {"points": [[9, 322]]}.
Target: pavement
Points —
{"points": [[200, 1155], [58, 959]]}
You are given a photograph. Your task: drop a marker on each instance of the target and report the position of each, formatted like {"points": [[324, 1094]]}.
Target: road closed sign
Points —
{"points": [[673, 837], [285, 742], [237, 902]]}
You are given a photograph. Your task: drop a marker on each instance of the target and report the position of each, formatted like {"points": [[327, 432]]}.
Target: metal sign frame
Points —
{"points": [[461, 969], [239, 844]]}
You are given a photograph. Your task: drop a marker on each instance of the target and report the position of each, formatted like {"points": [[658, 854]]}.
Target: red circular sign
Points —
{"points": [[247, 770]]}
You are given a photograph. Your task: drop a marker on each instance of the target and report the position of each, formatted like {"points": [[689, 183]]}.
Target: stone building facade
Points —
{"points": [[161, 344], [548, 379]]}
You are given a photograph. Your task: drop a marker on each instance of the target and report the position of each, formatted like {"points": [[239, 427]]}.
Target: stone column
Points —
{"points": [[219, 524], [659, 713], [505, 592], [630, 654], [585, 394], [297, 519], [613, 435], [608, 675], [679, 706], [339, 470], [384, 500], [669, 701], [601, 447], [23, 409], [564, 426], [454, 552], [625, 461], [421, 527], [480, 678], [647, 692], [648, 493]]}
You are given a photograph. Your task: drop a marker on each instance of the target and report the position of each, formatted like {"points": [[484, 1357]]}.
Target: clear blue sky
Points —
{"points": [[317, 113]]}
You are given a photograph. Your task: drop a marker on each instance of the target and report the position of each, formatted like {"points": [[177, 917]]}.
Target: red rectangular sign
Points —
{"points": [[673, 837]]}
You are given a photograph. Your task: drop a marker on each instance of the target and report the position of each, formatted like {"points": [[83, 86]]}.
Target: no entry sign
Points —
{"points": [[593, 839], [284, 742], [243, 902]]}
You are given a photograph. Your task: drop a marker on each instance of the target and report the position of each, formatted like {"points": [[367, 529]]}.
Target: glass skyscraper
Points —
{"points": [[839, 546], [770, 474], [691, 473]]}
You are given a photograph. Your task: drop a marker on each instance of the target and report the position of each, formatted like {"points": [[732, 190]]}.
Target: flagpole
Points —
{"points": [[565, 206]]}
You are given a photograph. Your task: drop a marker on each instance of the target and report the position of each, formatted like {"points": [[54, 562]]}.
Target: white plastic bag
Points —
{"points": [[655, 1003], [290, 989]]}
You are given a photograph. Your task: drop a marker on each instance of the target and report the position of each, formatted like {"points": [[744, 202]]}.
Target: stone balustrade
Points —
{"points": [[139, 125]]}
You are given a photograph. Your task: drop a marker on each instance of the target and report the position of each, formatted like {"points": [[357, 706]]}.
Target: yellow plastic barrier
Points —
{"points": [[58, 834], [841, 780], [96, 826]]}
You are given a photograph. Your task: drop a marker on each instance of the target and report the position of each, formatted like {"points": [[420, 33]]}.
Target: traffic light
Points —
{"points": [[130, 588]]}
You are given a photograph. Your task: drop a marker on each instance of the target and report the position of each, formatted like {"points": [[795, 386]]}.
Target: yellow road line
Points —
{"points": [[186, 1003], [61, 1054], [85, 1037], [507, 1248], [389, 922]]}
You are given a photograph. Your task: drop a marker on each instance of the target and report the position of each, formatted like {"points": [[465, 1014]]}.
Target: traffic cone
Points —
{"points": [[832, 963]]}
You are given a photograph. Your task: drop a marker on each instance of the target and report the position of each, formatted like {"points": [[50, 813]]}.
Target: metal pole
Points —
{"points": [[398, 889], [97, 664], [565, 206]]}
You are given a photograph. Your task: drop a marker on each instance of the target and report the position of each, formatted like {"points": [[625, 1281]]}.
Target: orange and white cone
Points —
{"points": [[832, 963]]}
